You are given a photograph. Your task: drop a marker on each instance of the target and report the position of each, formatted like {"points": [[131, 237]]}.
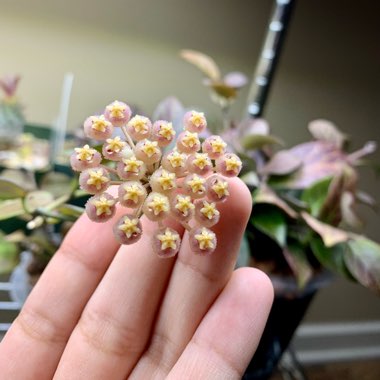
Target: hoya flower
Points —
{"points": [[186, 183]]}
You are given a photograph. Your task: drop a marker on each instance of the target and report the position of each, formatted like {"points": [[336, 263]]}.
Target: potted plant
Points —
{"points": [[303, 225]]}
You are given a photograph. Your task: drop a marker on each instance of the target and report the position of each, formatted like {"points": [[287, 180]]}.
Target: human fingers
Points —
{"points": [[227, 337], [115, 325], [195, 283], [32, 347]]}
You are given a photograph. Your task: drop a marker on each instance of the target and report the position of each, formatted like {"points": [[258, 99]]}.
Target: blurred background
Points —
{"points": [[128, 50]]}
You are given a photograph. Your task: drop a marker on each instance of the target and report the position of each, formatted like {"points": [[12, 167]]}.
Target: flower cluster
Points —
{"points": [[184, 183]]}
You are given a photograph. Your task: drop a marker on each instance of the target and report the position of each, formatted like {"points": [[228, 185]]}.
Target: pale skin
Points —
{"points": [[101, 311]]}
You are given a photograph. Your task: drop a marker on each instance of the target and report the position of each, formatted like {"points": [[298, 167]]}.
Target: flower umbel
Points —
{"points": [[185, 183]]}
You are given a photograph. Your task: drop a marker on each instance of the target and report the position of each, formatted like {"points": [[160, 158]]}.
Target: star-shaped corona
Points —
{"points": [[158, 204], [209, 210], [85, 154], [153, 179], [150, 148], [116, 109], [221, 188], [206, 239], [167, 180], [140, 124], [177, 159], [130, 227], [190, 139], [132, 164], [168, 239], [184, 204], [132, 193], [166, 131], [115, 145], [197, 118], [103, 205], [97, 178], [99, 124], [196, 184]]}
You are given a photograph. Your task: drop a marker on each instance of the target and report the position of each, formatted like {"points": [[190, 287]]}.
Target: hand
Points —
{"points": [[101, 311]]}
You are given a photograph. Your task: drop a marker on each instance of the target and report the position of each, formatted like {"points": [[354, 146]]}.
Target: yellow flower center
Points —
{"points": [[166, 131], [218, 145], [103, 205], [99, 123], [177, 160], [209, 210], [139, 124], [132, 192], [232, 163], [97, 179], [201, 160], [132, 164], [159, 204], [168, 239], [116, 144], [221, 189], [197, 118], [116, 110], [184, 204], [150, 148], [167, 180], [197, 184], [129, 227], [205, 239], [85, 154], [190, 139]]}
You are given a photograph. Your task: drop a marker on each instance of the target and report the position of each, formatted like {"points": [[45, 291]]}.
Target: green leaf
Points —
{"points": [[74, 212], [331, 257], [8, 256], [363, 260], [11, 208], [296, 257], [316, 195], [37, 199], [266, 195], [10, 190], [271, 221], [250, 179], [57, 184], [330, 235], [257, 141]]}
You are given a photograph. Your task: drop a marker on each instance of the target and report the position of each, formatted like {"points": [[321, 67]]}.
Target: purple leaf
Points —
{"points": [[283, 162], [235, 79]]}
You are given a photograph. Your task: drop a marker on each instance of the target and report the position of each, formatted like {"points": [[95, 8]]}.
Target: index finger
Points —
{"points": [[32, 347]]}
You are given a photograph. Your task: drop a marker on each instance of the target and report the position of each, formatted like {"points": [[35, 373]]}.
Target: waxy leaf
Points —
{"points": [[349, 217], [8, 256], [363, 260], [257, 141], [203, 62], [10, 190], [315, 196], [71, 211], [11, 208], [298, 263], [331, 257], [271, 221], [330, 235], [250, 179], [37, 199], [325, 130], [320, 159], [265, 195], [283, 162], [235, 79]]}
